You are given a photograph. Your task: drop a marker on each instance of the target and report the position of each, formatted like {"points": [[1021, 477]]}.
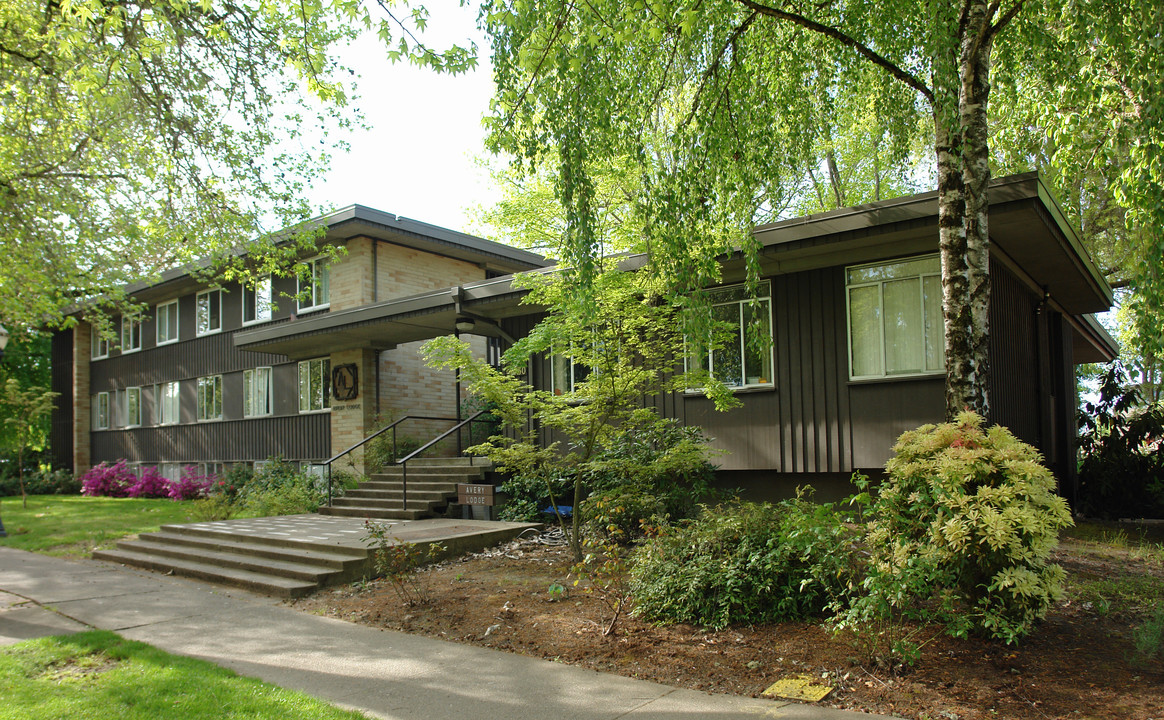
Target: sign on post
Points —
{"points": [[470, 494]]}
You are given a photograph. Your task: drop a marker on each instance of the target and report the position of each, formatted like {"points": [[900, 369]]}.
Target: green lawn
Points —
{"points": [[75, 525], [102, 675]]}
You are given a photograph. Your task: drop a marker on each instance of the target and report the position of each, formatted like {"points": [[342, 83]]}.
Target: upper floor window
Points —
{"points": [[314, 393], [132, 407], [130, 333], [257, 392], [895, 318], [210, 397], [101, 411], [256, 301], [565, 374], [208, 312], [167, 321], [744, 358], [98, 344], [167, 398], [314, 285]]}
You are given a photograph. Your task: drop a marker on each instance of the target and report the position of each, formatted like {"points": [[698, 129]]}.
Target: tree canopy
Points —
{"points": [[722, 105]]}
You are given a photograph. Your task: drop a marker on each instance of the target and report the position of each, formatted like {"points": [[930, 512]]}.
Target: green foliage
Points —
{"points": [[39, 479], [960, 534], [279, 488], [621, 514], [398, 562], [602, 573], [745, 563], [1122, 443], [530, 496], [1148, 639]]}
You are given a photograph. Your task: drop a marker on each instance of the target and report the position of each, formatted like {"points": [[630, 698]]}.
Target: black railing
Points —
{"points": [[403, 462]]}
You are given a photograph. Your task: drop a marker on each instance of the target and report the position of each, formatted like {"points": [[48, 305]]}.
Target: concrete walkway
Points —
{"points": [[384, 674]]}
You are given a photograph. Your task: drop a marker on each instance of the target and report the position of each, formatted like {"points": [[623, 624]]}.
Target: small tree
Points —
{"points": [[610, 359], [24, 412]]}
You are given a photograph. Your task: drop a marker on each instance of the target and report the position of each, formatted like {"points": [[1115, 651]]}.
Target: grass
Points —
{"points": [[75, 525], [99, 674]]}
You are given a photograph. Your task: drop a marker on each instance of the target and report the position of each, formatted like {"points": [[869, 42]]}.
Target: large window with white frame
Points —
{"points": [[130, 333], [744, 358], [210, 397], [101, 411], [315, 285], [256, 301], [565, 374], [314, 392], [168, 403], [257, 392], [98, 344], [208, 312], [166, 318], [895, 318], [132, 406]]}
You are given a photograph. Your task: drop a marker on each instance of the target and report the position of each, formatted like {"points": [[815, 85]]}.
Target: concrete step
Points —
{"points": [[277, 542], [362, 493], [429, 474], [388, 503], [233, 560], [333, 559], [256, 582], [376, 513], [449, 462]]}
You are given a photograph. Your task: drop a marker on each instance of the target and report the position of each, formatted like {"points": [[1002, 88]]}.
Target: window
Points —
{"points": [[565, 374], [744, 359], [895, 318], [208, 312], [101, 411], [168, 404], [167, 319], [170, 471], [314, 393], [130, 333], [257, 392], [210, 397], [314, 285], [132, 407], [257, 301], [98, 344]]}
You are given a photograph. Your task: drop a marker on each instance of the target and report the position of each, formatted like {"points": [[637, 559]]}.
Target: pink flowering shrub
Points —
{"points": [[192, 485], [149, 485], [108, 480]]}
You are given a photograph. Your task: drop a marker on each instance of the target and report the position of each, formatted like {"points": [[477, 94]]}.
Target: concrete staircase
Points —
{"points": [[267, 565], [432, 485]]}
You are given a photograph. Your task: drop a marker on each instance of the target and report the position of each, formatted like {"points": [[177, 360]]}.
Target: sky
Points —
{"points": [[417, 158]]}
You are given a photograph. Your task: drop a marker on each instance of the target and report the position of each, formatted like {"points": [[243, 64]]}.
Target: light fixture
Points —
{"points": [[465, 324]]}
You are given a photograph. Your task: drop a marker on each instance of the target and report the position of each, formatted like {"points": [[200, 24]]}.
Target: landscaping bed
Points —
{"points": [[1079, 663]]}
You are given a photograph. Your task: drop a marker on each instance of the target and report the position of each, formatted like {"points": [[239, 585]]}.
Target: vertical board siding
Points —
{"points": [[1019, 359], [298, 437], [61, 427]]}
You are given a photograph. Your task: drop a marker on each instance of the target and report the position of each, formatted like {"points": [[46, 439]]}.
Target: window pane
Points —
{"points": [[865, 330], [248, 392], [263, 391], [757, 347], [935, 328], [323, 283], [560, 371], [904, 329], [304, 387], [892, 271], [727, 360]]}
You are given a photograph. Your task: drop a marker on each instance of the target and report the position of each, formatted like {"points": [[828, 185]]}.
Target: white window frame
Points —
{"points": [[317, 268], [258, 301], [171, 471], [133, 410], [168, 396], [209, 390], [130, 329], [208, 299], [98, 344], [880, 284], [307, 402], [257, 404], [101, 411], [570, 370], [764, 298], [163, 311]]}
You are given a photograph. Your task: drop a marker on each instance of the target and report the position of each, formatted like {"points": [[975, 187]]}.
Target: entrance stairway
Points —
{"points": [[432, 485]]}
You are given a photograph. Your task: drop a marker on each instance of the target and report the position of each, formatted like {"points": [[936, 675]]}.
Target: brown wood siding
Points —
{"points": [[1019, 358], [882, 411], [185, 360], [803, 424], [297, 437], [61, 428]]}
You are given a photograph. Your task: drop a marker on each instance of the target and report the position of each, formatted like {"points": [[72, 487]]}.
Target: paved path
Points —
{"points": [[384, 674]]}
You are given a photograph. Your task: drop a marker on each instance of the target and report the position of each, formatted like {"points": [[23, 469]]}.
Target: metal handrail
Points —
{"points": [[403, 462], [375, 435]]}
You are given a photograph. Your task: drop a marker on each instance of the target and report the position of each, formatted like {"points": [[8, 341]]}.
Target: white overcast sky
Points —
{"points": [[417, 158]]}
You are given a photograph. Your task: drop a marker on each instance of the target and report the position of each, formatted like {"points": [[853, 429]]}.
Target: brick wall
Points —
{"points": [[351, 420]]}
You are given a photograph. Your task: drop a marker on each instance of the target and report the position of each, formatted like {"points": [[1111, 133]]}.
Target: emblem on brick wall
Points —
{"points": [[345, 382]]}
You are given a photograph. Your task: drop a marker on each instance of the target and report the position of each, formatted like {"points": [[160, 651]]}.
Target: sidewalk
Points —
{"points": [[384, 674]]}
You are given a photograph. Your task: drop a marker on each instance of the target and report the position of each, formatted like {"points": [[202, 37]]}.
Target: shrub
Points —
{"points": [[42, 481], [149, 484], [281, 488], [1122, 443], [744, 563], [529, 496], [191, 485], [231, 483], [960, 533], [621, 514], [108, 480]]}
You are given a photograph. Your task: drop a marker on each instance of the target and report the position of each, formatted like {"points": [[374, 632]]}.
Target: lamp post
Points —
{"points": [[3, 346]]}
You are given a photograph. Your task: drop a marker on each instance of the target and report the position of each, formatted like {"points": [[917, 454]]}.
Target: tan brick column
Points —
{"points": [[352, 420], [82, 399]]}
